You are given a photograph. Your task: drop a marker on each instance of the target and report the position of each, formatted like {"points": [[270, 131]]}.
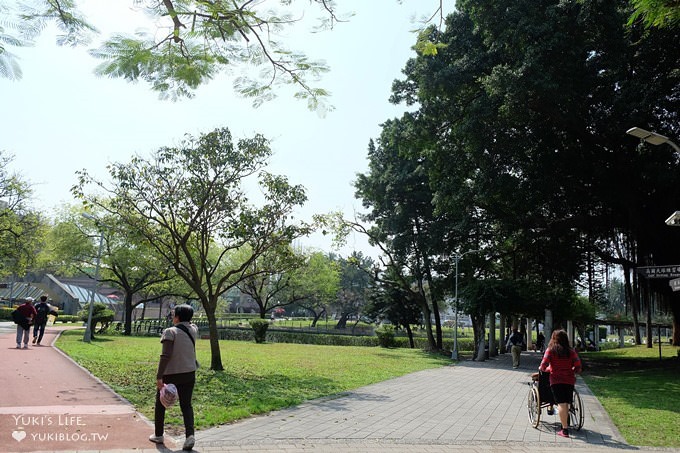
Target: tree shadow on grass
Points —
{"points": [[642, 383]]}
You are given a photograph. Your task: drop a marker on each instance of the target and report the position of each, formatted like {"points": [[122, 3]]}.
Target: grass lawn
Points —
{"points": [[640, 393], [257, 378]]}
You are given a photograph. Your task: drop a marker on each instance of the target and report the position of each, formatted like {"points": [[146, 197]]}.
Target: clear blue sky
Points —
{"points": [[61, 118]]}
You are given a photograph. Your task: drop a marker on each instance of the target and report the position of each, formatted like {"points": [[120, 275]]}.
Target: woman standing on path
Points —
{"points": [[563, 363], [177, 366]]}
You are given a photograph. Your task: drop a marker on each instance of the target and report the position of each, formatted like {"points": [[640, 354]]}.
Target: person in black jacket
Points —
{"points": [[42, 309]]}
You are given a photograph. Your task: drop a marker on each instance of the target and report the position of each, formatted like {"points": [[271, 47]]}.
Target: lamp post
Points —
{"points": [[657, 139], [87, 337], [454, 353], [651, 137]]}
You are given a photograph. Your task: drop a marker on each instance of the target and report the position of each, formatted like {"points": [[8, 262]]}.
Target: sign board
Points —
{"points": [[675, 284], [672, 271]]}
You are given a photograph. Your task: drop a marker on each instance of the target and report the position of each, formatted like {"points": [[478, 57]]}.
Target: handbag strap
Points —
{"points": [[184, 329]]}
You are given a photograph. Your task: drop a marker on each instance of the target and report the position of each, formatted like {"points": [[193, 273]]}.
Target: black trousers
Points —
{"points": [[185, 389], [39, 329]]}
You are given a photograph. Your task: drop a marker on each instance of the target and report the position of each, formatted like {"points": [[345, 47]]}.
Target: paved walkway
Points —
{"points": [[473, 406]]}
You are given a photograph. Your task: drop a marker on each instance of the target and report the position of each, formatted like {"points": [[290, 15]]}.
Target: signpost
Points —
{"points": [[671, 271]]}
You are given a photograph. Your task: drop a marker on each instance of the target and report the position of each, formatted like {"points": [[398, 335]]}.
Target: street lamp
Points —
{"points": [[87, 337], [454, 353], [674, 219], [657, 139], [651, 137]]}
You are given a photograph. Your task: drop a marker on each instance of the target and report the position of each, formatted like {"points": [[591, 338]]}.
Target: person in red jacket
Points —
{"points": [[563, 363], [28, 311]]}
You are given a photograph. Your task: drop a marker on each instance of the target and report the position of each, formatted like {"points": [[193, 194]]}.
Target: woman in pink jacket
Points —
{"points": [[563, 364]]}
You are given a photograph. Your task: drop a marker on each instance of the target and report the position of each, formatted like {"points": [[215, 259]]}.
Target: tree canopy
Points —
{"points": [[189, 204]]}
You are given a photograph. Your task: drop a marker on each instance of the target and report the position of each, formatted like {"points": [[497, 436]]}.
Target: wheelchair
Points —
{"points": [[540, 396]]}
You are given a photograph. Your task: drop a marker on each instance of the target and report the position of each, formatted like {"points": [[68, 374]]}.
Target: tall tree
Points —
{"points": [[396, 190], [526, 107], [189, 203], [22, 229]]}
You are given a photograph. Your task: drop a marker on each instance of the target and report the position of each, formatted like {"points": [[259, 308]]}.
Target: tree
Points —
{"points": [[315, 284], [21, 228], [515, 93], [396, 306], [187, 43], [656, 13], [127, 261], [130, 263], [189, 204], [269, 277], [100, 315], [398, 194], [355, 283], [193, 42]]}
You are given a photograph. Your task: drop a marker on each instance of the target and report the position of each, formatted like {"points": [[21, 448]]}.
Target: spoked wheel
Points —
{"points": [[576, 414], [534, 406]]}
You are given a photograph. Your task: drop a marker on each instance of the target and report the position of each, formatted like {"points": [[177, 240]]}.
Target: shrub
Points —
{"points": [[260, 327], [68, 318], [385, 334]]}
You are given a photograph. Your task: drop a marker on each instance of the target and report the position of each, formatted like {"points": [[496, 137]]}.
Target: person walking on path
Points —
{"points": [[27, 311], [42, 311], [177, 365], [563, 363], [515, 344]]}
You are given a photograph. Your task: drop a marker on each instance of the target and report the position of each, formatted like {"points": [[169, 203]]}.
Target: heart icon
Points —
{"points": [[18, 435]]}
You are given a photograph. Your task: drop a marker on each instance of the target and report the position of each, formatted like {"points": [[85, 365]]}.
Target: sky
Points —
{"points": [[60, 118]]}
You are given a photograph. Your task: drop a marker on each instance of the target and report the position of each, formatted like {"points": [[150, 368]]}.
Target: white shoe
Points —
{"points": [[188, 443], [156, 439], [25, 345], [18, 345]]}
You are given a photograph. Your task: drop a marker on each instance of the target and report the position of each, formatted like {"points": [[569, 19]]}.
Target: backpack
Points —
{"points": [[20, 319], [43, 310], [17, 317]]}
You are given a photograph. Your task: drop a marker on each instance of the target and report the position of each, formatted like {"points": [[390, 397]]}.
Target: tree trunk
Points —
{"points": [[427, 317], [502, 339], [631, 301], [215, 353], [479, 329], [317, 316], [409, 332], [342, 322], [675, 309], [648, 321], [127, 322]]}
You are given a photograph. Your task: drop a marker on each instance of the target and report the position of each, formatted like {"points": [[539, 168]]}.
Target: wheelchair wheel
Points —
{"points": [[534, 406], [576, 414]]}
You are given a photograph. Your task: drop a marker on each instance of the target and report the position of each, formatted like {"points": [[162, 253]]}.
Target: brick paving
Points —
{"points": [[469, 407]]}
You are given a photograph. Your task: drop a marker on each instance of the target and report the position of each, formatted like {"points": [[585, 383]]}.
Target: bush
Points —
{"points": [[260, 327], [385, 334], [6, 313], [100, 314]]}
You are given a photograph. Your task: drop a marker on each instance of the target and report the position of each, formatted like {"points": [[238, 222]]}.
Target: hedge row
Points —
{"points": [[6, 315]]}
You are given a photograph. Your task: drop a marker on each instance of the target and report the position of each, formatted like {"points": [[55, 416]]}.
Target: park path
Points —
{"points": [[470, 407], [49, 403]]}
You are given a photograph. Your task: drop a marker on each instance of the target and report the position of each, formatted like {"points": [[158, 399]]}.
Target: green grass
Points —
{"points": [[257, 378], [640, 393]]}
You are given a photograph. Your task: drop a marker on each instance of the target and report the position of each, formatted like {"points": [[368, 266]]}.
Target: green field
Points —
{"points": [[640, 393], [258, 378]]}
